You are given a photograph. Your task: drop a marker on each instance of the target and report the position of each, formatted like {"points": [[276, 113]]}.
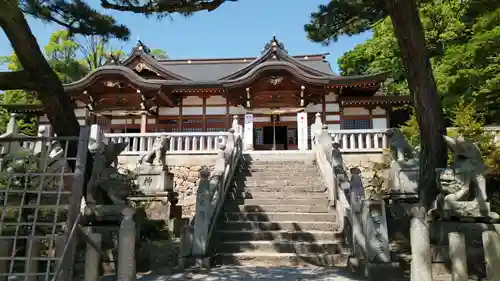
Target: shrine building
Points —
{"points": [[267, 92]]}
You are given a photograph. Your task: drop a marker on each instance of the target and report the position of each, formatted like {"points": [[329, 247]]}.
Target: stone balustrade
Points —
{"points": [[368, 140], [179, 143]]}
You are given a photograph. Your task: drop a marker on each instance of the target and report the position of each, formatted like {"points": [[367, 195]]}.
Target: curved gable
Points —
{"points": [[140, 60], [275, 52]]}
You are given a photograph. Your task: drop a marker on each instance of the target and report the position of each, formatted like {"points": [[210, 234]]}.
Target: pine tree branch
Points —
{"points": [[16, 80], [164, 6]]}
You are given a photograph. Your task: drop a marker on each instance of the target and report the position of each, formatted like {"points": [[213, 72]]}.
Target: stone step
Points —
{"points": [[278, 216], [267, 235], [286, 188], [290, 176], [286, 201], [292, 225], [257, 182], [280, 169], [274, 162], [302, 247], [281, 207], [233, 194], [269, 259]]}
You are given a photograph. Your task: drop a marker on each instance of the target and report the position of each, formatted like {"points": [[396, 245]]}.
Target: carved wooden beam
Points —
{"points": [[167, 98]]}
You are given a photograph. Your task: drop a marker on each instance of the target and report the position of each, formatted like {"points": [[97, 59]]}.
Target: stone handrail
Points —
{"points": [[367, 140], [179, 143], [212, 191], [331, 168]]}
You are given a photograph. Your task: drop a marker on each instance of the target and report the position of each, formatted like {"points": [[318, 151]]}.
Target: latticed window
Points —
{"points": [[192, 121], [215, 130], [192, 130], [356, 124], [103, 121], [168, 121]]}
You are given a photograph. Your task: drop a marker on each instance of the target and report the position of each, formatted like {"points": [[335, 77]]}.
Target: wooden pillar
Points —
{"points": [[180, 113], [144, 122], [204, 114]]}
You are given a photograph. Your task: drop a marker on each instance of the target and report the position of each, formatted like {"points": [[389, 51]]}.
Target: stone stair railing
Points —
{"points": [[362, 221], [211, 194]]}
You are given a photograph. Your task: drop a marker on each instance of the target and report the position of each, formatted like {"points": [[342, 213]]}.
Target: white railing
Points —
{"points": [[368, 140], [179, 143]]}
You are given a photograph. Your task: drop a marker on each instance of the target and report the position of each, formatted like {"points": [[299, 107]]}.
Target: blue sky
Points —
{"points": [[236, 29]]}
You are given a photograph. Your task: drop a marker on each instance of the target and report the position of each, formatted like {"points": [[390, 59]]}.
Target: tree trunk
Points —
{"points": [[56, 103], [411, 40]]}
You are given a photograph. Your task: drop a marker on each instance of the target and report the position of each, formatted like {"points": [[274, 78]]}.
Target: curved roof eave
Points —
{"points": [[342, 80], [153, 64], [134, 78], [277, 65]]}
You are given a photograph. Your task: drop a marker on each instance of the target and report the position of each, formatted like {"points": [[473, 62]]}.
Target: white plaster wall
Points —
{"points": [[151, 121], [216, 110], [216, 100], [237, 110], [378, 111], [81, 112], [355, 111], [333, 127], [314, 108], [331, 97], [262, 119], [168, 111], [332, 118], [192, 100], [332, 107], [379, 123], [195, 110], [288, 118]]}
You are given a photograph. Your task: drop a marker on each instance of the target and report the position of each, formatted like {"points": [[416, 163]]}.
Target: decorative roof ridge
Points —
{"points": [[274, 49], [138, 53], [307, 57]]}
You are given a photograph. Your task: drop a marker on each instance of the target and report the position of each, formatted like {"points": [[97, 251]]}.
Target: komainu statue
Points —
{"points": [[400, 148], [156, 156], [463, 186]]}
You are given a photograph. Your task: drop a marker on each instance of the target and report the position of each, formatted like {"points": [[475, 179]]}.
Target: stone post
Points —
{"points": [[421, 258], [458, 256], [126, 247], [96, 133], [201, 223], [31, 265], [186, 246], [12, 127], [357, 194], [4, 263], [92, 257], [491, 244]]}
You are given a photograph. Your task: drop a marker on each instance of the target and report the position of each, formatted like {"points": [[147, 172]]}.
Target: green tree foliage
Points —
{"points": [[159, 54], [467, 122], [463, 39], [69, 58], [348, 17]]}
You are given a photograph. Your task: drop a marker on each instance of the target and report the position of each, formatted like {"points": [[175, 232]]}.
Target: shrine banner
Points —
{"points": [[248, 132], [302, 132]]}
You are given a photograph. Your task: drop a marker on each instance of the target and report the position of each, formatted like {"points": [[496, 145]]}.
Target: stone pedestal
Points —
{"points": [[154, 179], [403, 179]]}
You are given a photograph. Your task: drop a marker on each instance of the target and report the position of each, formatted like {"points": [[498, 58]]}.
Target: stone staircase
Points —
{"points": [[277, 214]]}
